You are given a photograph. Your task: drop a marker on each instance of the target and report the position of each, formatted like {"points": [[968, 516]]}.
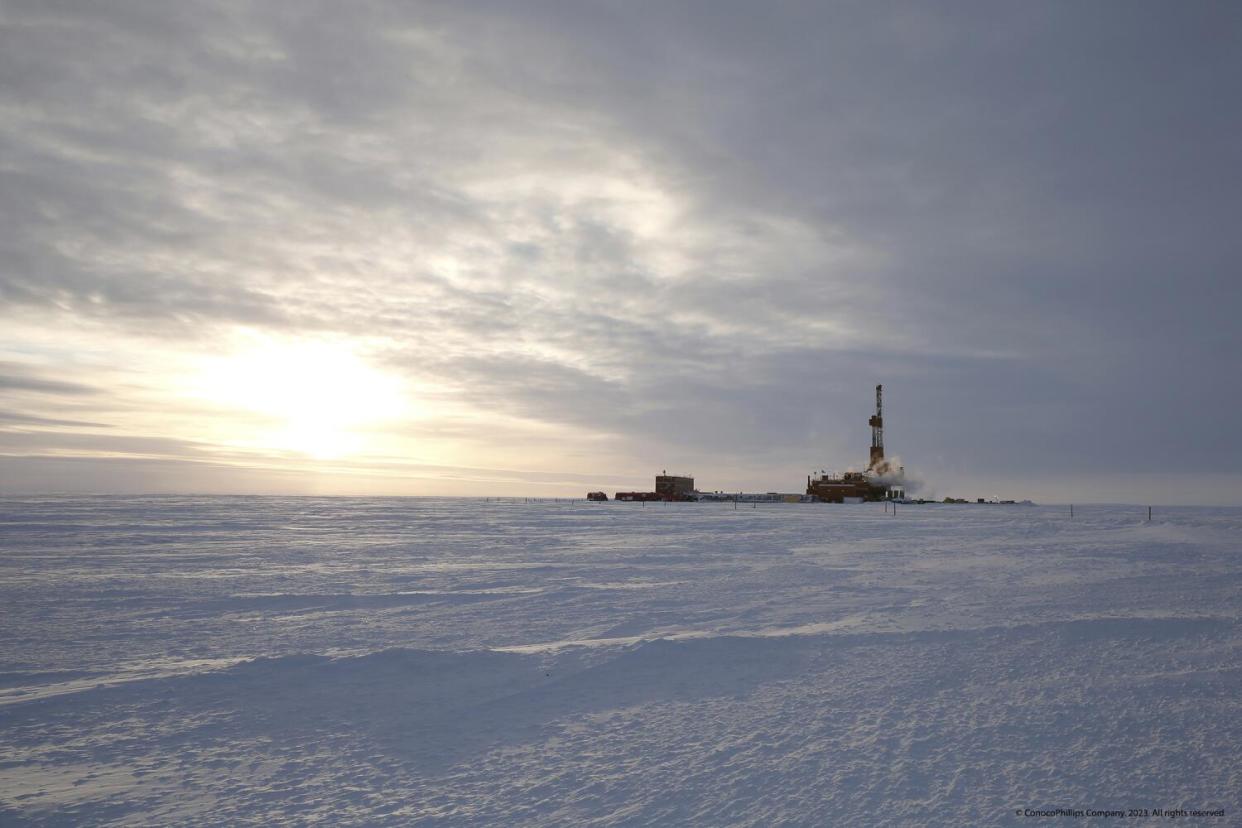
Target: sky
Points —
{"points": [[540, 248]]}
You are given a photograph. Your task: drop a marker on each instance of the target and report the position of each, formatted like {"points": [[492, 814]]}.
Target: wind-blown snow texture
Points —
{"points": [[420, 661]]}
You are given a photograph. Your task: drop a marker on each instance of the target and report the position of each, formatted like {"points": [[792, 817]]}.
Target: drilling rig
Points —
{"points": [[881, 480], [877, 431]]}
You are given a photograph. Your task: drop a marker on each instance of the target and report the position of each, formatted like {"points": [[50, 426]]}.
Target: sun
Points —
{"points": [[317, 398]]}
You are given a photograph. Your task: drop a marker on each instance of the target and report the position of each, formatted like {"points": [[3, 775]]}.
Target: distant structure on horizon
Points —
{"points": [[668, 487], [881, 480], [877, 429], [674, 486]]}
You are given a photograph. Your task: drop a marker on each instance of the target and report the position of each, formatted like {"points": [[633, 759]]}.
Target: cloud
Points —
{"points": [[702, 230], [20, 419], [17, 377]]}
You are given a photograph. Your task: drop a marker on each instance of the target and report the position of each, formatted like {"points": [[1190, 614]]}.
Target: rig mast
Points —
{"points": [[877, 430]]}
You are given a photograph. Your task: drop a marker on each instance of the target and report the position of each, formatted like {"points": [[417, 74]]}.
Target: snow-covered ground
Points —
{"points": [[421, 661]]}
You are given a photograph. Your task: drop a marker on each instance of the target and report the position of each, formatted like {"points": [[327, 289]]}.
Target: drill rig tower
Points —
{"points": [[877, 431], [881, 481]]}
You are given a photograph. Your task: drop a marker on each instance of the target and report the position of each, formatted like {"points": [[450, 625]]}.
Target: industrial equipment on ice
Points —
{"points": [[882, 480]]}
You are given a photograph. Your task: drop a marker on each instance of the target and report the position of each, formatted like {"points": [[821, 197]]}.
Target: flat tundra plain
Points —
{"points": [[417, 661]]}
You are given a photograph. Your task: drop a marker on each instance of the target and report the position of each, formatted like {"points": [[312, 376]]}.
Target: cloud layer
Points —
{"points": [[600, 238]]}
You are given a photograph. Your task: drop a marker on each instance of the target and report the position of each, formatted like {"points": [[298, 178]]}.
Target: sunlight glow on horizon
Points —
{"points": [[322, 396]]}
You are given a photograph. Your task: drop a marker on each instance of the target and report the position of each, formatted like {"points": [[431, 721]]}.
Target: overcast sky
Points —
{"points": [[539, 248]]}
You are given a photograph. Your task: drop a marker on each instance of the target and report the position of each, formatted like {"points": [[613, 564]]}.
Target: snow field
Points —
{"points": [[428, 662]]}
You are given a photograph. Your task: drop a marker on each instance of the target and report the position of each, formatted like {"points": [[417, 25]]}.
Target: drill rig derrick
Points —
{"points": [[877, 431]]}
